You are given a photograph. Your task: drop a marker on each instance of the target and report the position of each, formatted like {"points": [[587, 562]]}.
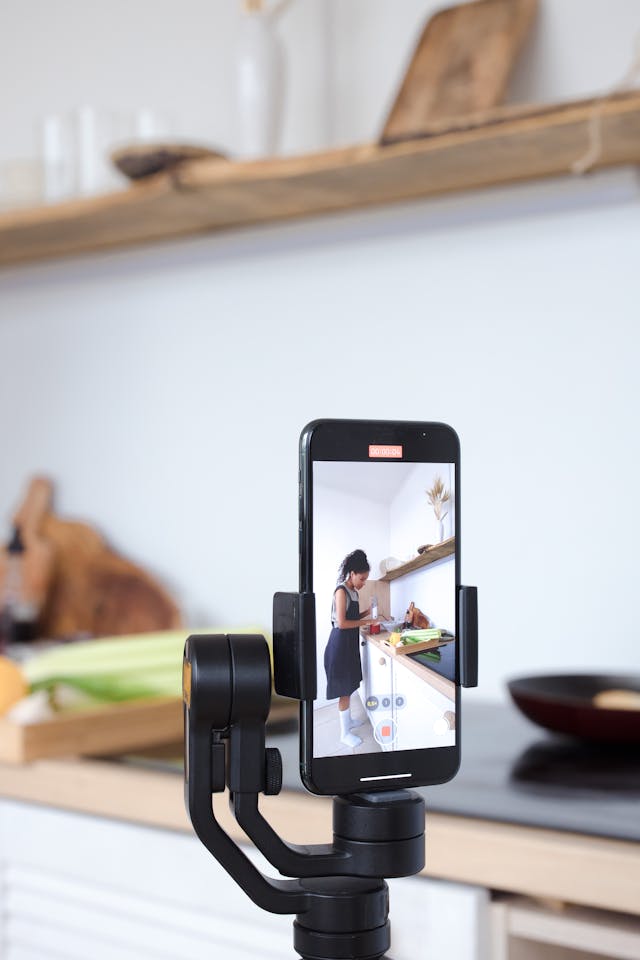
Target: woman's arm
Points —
{"points": [[341, 613]]}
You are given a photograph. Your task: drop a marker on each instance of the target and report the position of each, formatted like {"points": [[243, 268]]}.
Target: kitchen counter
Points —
{"points": [[526, 813], [429, 675]]}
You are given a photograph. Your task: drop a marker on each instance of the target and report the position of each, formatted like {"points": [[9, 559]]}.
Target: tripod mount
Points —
{"points": [[339, 897]]}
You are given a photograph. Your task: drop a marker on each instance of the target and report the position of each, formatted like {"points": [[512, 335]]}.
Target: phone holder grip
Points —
{"points": [[294, 642], [294, 645], [468, 632]]}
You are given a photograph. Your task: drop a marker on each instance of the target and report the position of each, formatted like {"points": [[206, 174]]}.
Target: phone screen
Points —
{"points": [[384, 568], [380, 536]]}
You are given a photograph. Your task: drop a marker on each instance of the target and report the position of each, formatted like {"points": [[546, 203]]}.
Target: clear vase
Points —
{"points": [[259, 84]]}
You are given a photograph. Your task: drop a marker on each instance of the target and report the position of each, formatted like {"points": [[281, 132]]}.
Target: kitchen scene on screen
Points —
{"points": [[388, 684]]}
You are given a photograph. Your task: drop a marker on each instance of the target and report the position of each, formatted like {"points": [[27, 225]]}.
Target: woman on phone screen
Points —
{"points": [[342, 653]]}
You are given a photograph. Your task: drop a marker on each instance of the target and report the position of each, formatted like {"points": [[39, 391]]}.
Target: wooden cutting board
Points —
{"points": [[79, 583], [116, 729], [461, 64], [404, 649]]}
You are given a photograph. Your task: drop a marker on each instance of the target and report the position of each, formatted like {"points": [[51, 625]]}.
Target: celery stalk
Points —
{"points": [[118, 669]]}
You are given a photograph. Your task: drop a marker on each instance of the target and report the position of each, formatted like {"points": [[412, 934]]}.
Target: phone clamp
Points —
{"points": [[339, 898]]}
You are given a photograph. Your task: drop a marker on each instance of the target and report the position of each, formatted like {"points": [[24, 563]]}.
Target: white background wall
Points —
{"points": [[413, 521], [164, 389], [431, 588]]}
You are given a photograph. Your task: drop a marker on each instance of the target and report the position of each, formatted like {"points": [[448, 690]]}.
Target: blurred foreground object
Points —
{"points": [[117, 695], [78, 583], [18, 609], [591, 707], [461, 64]]}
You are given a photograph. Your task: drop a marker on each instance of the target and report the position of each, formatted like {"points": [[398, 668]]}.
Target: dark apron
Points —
{"points": [[342, 656]]}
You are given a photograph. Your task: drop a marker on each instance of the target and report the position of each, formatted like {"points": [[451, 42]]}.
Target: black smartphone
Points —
{"points": [[380, 548]]}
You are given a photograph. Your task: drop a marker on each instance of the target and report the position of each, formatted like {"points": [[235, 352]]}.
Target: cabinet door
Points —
{"points": [[423, 714], [379, 701], [365, 685], [438, 920]]}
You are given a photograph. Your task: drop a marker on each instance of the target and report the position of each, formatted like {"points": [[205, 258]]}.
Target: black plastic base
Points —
{"points": [[382, 832], [347, 918], [340, 900]]}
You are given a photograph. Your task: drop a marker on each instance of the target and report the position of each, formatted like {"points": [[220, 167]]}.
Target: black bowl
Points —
{"points": [[564, 704]]}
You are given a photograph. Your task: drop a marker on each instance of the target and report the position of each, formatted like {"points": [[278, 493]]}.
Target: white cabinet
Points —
{"points": [[378, 689], [420, 712], [417, 714], [75, 887]]}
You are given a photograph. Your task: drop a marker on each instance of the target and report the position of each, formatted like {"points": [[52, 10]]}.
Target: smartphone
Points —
{"points": [[380, 549]]}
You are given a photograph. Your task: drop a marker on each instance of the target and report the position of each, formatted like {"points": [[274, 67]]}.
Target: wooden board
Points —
{"points": [[402, 651], [121, 728], [461, 64], [506, 145], [78, 584]]}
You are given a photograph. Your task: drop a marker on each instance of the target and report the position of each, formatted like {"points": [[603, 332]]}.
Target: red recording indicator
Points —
{"points": [[391, 451]]}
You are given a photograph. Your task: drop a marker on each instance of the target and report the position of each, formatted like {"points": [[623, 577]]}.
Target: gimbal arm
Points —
{"points": [[211, 711]]}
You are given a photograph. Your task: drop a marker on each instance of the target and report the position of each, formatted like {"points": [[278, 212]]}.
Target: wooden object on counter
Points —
{"points": [[38, 557], [505, 145], [92, 589], [443, 684], [404, 649], [123, 727], [461, 64], [117, 728]]}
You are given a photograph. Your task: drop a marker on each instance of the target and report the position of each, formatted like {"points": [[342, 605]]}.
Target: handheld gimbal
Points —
{"points": [[339, 897]]}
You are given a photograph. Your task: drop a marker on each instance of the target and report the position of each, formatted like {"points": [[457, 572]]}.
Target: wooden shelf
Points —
{"points": [[437, 552], [508, 144]]}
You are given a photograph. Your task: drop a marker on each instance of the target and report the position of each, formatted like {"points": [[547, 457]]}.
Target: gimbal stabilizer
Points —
{"points": [[339, 897]]}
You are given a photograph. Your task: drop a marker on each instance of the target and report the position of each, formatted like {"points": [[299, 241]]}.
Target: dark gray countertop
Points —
{"points": [[514, 772]]}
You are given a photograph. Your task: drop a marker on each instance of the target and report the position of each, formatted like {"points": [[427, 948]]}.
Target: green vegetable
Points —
{"points": [[417, 636], [133, 667]]}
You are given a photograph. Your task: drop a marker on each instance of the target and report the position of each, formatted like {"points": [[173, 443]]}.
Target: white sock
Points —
{"points": [[352, 720], [349, 739]]}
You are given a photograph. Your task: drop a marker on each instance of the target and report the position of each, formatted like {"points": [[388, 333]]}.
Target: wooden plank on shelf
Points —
{"points": [[502, 146], [437, 552]]}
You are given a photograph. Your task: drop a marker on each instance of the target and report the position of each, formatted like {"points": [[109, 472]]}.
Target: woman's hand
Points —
{"points": [[367, 618]]}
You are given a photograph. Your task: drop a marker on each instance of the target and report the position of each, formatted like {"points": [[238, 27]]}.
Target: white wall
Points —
{"points": [[175, 59], [164, 389], [344, 63], [431, 588], [413, 522]]}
